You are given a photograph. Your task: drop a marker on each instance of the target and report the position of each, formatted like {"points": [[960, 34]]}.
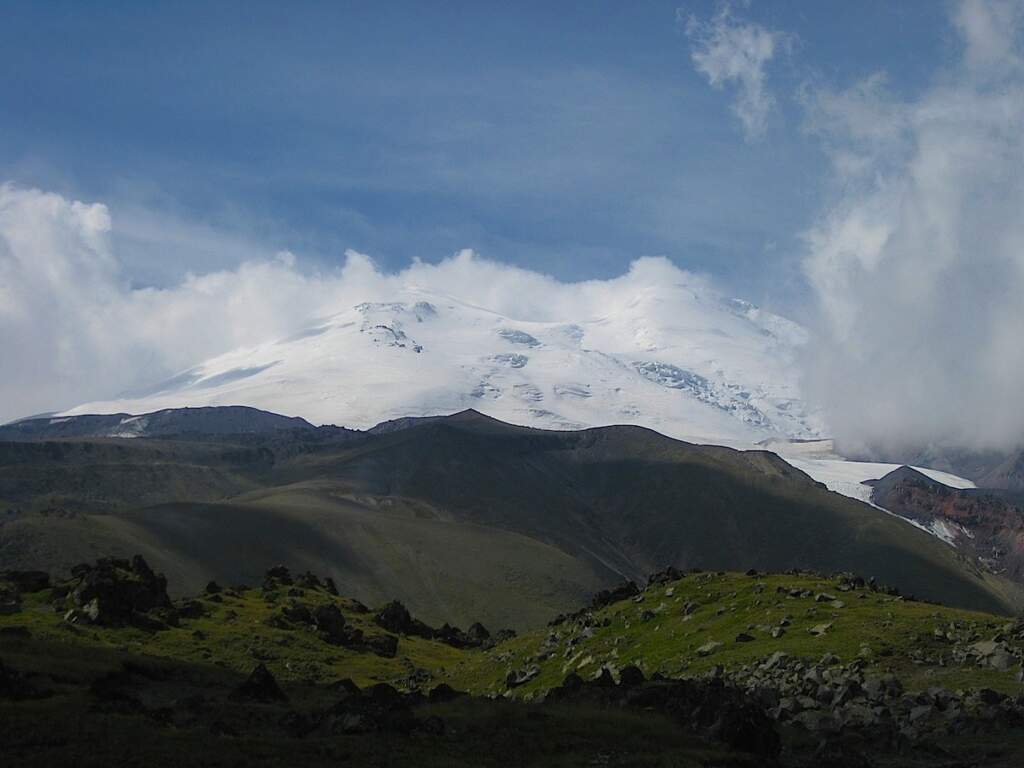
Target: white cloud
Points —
{"points": [[990, 30], [918, 263], [728, 51], [73, 330]]}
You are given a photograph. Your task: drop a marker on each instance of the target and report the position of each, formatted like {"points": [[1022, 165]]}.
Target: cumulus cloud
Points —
{"points": [[730, 52], [918, 263], [73, 330]]}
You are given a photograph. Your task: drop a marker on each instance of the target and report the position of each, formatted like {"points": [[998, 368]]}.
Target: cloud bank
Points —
{"points": [[729, 52], [918, 264], [73, 330]]}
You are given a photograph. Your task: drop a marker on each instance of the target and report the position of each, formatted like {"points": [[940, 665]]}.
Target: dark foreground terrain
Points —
{"points": [[704, 669]]}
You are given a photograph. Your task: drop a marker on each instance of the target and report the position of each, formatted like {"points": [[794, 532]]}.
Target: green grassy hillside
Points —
{"points": [[689, 627], [660, 630], [830, 664]]}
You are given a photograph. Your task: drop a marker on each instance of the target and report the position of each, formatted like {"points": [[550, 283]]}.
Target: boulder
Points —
{"points": [[708, 648], [664, 576], [456, 638], [116, 592], [993, 653], [385, 646], [442, 693], [631, 676], [330, 623], [609, 596], [379, 708], [260, 686], [308, 580], [395, 617], [10, 600], [297, 613], [777, 659], [280, 574], [517, 677]]}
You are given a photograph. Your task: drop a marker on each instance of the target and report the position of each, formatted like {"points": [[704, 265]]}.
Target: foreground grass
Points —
{"points": [[889, 634], [234, 634]]}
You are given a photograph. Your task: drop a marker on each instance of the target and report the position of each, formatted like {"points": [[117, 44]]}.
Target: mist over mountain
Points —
{"points": [[917, 263], [656, 347]]}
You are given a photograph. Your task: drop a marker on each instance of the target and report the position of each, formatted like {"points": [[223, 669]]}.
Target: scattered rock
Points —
{"points": [[664, 576], [382, 645], [279, 574], [330, 623], [444, 692], [517, 677], [116, 593], [708, 648], [609, 596], [708, 707], [10, 600], [820, 629], [395, 617]]}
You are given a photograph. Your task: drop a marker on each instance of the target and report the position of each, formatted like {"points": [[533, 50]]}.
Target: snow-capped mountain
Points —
{"points": [[671, 356]]}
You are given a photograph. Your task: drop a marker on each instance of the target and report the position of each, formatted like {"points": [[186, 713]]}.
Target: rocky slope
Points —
{"points": [[982, 523]]}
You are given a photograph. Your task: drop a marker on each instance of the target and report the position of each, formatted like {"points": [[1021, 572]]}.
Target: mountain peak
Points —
{"points": [[666, 356]]}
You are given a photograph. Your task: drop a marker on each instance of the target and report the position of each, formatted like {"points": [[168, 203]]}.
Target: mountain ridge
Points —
{"points": [[461, 517]]}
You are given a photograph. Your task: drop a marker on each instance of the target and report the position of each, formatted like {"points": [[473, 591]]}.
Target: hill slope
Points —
{"points": [[463, 517]]}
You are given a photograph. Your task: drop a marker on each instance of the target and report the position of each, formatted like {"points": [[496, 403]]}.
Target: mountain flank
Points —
{"points": [[986, 523], [463, 518]]}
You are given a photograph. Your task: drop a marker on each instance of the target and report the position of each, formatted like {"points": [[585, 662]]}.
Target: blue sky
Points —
{"points": [[178, 179], [569, 138]]}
